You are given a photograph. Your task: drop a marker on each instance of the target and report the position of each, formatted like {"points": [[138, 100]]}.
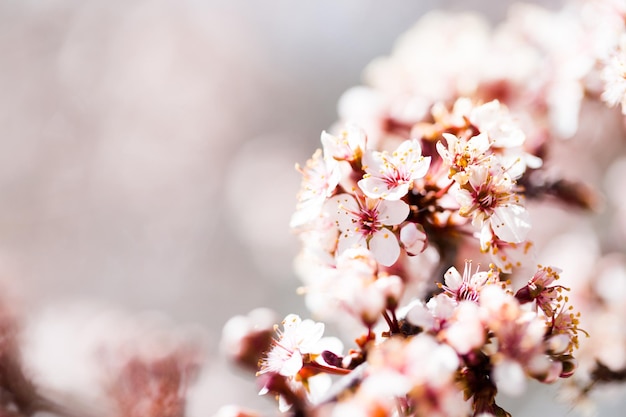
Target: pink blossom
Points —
{"points": [[320, 177], [469, 285], [461, 153], [540, 290], [366, 222], [506, 256], [348, 145], [491, 202], [466, 330], [299, 337], [413, 238], [391, 176], [614, 77]]}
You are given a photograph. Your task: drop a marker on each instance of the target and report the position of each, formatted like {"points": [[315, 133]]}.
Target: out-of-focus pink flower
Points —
{"points": [[299, 337], [348, 145], [320, 177], [246, 338], [614, 77]]}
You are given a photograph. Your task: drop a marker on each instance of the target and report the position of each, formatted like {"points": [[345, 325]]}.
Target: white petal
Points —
{"points": [[443, 151], [479, 143], [386, 383], [420, 316], [509, 377], [384, 245], [309, 334], [292, 365], [478, 175], [373, 162], [413, 238], [356, 137], [349, 241], [331, 344], [397, 192], [420, 168], [453, 278], [464, 198], [291, 321], [467, 331], [486, 237], [510, 223], [283, 405], [319, 385], [451, 140], [341, 208], [391, 213], [375, 187]]}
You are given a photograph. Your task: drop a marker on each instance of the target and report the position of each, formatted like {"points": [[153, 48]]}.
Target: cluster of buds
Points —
{"points": [[440, 161]]}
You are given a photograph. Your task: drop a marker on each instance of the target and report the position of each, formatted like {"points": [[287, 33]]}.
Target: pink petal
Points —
{"points": [[341, 208], [375, 187], [373, 162], [384, 245], [510, 377], [391, 213], [511, 223], [349, 240], [292, 365], [413, 238], [453, 278]]}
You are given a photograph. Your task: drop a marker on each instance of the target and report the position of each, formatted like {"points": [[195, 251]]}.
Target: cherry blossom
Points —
{"points": [[467, 286], [347, 146], [506, 256], [540, 290], [413, 238], [299, 338], [614, 77], [366, 222], [460, 154], [391, 176], [491, 202], [447, 164], [320, 177]]}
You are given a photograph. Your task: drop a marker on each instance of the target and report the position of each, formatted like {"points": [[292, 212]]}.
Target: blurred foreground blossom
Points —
{"points": [[123, 364]]}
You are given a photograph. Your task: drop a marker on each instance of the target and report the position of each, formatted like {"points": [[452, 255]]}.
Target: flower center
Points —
{"points": [[368, 221]]}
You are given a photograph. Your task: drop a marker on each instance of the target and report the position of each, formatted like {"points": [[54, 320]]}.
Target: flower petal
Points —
{"points": [[292, 365], [384, 245], [510, 223], [375, 187], [391, 213]]}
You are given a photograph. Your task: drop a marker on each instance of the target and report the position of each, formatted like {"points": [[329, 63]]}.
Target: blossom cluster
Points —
{"points": [[448, 156]]}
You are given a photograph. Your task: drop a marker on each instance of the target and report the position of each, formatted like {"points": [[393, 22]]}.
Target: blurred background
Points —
{"points": [[146, 161]]}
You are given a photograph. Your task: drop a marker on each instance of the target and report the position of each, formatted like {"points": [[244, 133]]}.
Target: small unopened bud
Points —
{"points": [[569, 366], [558, 344], [524, 295], [332, 359], [392, 288], [413, 238]]}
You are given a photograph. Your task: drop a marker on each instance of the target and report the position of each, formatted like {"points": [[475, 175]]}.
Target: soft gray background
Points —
{"points": [[147, 152]]}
